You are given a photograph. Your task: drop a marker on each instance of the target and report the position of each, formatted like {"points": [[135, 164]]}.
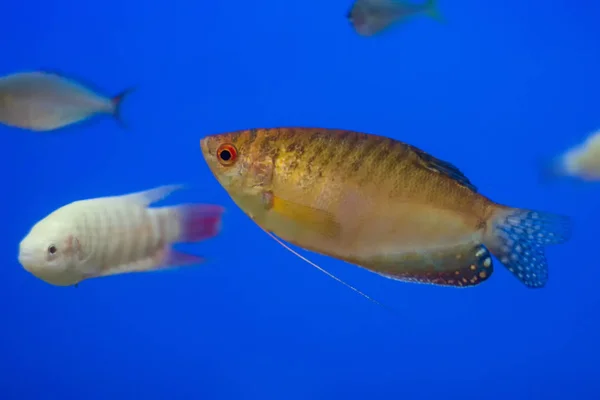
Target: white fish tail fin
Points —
{"points": [[329, 274], [187, 223], [517, 237], [117, 101], [198, 222], [432, 10], [194, 223]]}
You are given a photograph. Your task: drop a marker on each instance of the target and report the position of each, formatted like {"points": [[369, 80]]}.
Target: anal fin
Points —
{"points": [[165, 260], [460, 266]]}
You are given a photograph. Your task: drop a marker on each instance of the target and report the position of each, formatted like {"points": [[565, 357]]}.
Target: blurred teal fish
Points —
{"points": [[45, 101], [369, 17]]}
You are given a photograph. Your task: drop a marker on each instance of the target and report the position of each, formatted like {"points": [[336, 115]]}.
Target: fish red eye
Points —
{"points": [[227, 154]]}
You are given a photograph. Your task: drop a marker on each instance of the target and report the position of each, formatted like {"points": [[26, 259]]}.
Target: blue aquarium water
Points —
{"points": [[493, 89]]}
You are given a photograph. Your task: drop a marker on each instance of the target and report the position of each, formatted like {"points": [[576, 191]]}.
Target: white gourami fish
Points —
{"points": [[115, 235], [45, 101]]}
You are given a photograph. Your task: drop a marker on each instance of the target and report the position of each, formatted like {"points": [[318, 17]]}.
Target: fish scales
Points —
{"points": [[317, 169], [121, 233], [315, 159], [118, 233], [320, 167]]}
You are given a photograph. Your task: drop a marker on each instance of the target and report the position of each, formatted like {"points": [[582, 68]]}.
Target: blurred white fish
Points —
{"points": [[580, 162], [370, 17], [45, 101], [115, 235]]}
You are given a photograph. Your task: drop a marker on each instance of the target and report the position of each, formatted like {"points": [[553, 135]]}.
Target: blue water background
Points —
{"points": [[491, 90]]}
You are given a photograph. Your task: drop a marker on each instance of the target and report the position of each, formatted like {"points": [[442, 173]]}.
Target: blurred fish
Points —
{"points": [[380, 204], [369, 17], [581, 162], [115, 235], [45, 101]]}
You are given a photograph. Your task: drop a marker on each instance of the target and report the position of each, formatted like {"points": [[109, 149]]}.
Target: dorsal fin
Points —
{"points": [[73, 79], [443, 167], [147, 197]]}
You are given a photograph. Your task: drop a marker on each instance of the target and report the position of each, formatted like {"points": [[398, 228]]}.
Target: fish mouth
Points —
{"points": [[27, 261], [25, 255]]}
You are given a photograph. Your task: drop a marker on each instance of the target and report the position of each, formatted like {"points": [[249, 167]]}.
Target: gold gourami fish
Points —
{"points": [[380, 204]]}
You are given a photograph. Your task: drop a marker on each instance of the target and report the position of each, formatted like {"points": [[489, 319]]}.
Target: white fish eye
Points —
{"points": [[52, 249]]}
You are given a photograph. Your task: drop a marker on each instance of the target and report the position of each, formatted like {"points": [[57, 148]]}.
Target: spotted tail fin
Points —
{"points": [[517, 237]]}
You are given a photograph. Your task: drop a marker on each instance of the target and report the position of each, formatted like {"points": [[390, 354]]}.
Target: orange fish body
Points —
{"points": [[378, 203]]}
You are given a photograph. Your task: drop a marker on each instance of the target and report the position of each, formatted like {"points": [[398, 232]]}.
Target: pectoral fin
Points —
{"points": [[461, 265], [307, 217], [329, 274]]}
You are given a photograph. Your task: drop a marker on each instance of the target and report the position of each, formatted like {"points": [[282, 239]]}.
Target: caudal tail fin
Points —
{"points": [[184, 223], [517, 237], [432, 10], [198, 222], [116, 101]]}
